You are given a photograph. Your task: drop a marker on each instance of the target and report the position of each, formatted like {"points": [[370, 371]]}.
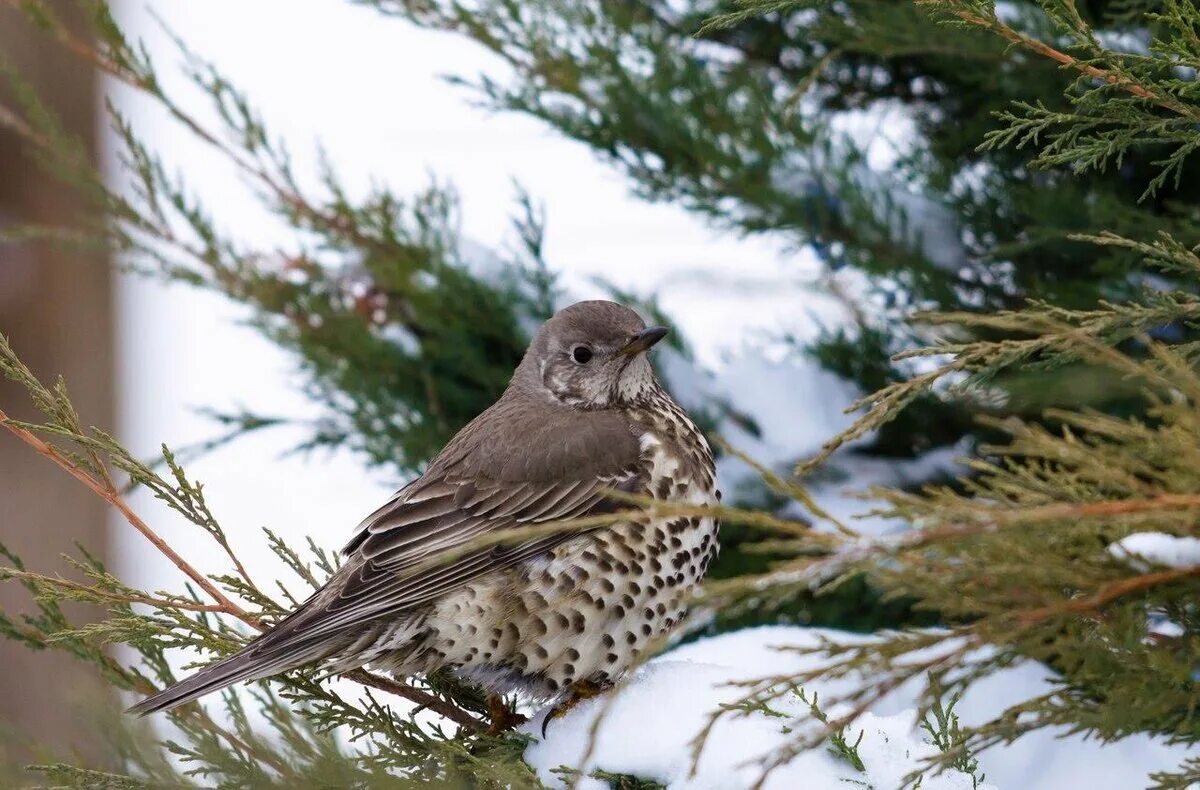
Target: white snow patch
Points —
{"points": [[648, 727], [1144, 549], [797, 406]]}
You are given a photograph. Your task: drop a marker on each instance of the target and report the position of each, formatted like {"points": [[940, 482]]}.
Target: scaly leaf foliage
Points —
{"points": [[1017, 557]]}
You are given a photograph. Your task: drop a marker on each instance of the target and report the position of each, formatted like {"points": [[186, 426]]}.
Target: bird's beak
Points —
{"points": [[644, 340]]}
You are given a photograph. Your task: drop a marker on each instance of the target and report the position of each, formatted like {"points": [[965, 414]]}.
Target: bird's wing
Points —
{"points": [[478, 485], [395, 567]]}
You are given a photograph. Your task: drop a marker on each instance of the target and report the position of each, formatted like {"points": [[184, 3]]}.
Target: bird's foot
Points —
{"points": [[501, 718], [576, 693]]}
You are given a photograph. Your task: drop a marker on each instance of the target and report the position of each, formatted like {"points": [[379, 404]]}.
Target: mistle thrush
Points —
{"points": [[558, 615]]}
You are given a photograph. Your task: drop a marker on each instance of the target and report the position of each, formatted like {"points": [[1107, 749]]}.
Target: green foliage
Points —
{"points": [[839, 746], [1016, 556], [294, 730], [1055, 154], [395, 334], [942, 725], [754, 120]]}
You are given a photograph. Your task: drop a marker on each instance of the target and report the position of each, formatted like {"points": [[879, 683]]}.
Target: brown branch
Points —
{"points": [[1047, 51], [845, 553], [114, 498], [224, 605], [422, 698], [1116, 507], [1109, 593], [1105, 509]]}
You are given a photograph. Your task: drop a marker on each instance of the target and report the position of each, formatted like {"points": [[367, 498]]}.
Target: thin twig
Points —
{"points": [[1060, 510], [1047, 51], [422, 698], [204, 721], [1109, 593], [223, 604], [115, 597], [114, 498]]}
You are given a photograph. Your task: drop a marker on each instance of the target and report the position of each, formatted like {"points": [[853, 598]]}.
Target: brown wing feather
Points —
{"points": [[390, 570], [476, 486]]}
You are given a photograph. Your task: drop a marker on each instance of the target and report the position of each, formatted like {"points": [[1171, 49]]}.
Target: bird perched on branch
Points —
{"points": [[558, 614]]}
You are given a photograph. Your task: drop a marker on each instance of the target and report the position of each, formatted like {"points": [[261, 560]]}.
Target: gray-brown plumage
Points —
{"points": [[582, 416]]}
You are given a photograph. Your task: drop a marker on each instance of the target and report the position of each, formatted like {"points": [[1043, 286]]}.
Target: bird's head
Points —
{"points": [[591, 355]]}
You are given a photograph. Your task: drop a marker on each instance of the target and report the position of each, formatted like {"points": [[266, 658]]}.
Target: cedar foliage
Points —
{"points": [[756, 125], [1016, 557]]}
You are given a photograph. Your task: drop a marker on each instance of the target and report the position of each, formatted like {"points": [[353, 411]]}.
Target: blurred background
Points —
{"points": [[62, 311]]}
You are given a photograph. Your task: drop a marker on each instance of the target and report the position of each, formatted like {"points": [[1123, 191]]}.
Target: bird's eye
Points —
{"points": [[581, 354]]}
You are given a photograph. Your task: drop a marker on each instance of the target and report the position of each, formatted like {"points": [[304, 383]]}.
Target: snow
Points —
{"points": [[770, 394], [647, 726], [1144, 549], [726, 294], [874, 141], [719, 289]]}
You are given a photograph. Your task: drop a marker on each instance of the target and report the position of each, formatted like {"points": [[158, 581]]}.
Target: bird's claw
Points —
{"points": [[501, 718], [559, 710], [577, 693]]}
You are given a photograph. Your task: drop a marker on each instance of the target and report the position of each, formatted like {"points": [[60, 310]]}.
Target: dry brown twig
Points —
{"points": [[108, 491], [1107, 594], [114, 498], [1046, 51]]}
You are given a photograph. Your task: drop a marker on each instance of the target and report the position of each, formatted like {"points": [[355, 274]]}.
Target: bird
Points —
{"points": [[583, 428]]}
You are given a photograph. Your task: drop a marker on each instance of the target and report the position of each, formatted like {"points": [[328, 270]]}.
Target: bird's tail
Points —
{"points": [[276, 651]]}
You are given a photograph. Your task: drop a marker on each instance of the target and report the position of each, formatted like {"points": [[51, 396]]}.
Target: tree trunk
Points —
{"points": [[56, 308]]}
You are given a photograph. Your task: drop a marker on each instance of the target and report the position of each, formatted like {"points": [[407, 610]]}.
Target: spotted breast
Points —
{"points": [[587, 609]]}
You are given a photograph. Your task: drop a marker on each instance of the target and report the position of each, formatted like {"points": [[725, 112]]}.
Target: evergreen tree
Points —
{"points": [[757, 126], [1052, 142], [755, 122]]}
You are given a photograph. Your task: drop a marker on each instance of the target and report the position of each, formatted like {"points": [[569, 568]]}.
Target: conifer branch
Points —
{"points": [[1109, 594], [963, 12], [100, 593], [421, 698], [223, 604], [114, 498], [1014, 558]]}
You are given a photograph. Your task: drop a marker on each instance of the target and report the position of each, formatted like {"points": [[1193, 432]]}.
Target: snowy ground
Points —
{"points": [[648, 727]]}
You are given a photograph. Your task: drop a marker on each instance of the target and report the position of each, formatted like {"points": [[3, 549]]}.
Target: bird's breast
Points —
{"points": [[677, 463], [590, 607]]}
